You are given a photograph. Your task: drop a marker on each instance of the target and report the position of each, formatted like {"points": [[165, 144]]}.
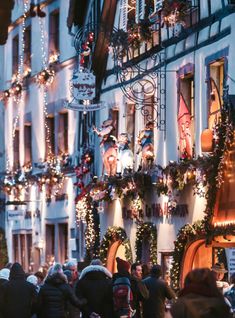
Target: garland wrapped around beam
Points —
{"points": [[146, 231], [112, 235]]}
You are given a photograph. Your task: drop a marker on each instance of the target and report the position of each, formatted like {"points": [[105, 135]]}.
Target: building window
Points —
{"points": [[27, 50], [54, 20], [149, 8], [63, 133], [149, 111], [50, 136], [63, 242], [216, 84], [50, 243], [186, 116], [15, 54], [131, 11], [22, 249], [28, 144], [115, 117], [56, 242], [16, 147], [130, 124]]}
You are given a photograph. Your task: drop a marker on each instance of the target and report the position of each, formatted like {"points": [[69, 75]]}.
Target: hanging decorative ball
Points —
{"points": [[45, 77], [17, 89], [207, 140], [91, 37]]}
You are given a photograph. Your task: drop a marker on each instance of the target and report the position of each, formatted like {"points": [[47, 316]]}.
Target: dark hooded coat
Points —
{"points": [[95, 285], [196, 301], [54, 295], [18, 298]]}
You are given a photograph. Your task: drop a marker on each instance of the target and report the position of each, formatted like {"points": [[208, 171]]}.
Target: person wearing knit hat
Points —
{"points": [[4, 274], [138, 289], [122, 265], [22, 305]]}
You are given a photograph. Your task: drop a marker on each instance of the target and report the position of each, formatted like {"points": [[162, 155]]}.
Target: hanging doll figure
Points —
{"points": [[125, 155], [34, 4], [109, 145], [145, 141]]}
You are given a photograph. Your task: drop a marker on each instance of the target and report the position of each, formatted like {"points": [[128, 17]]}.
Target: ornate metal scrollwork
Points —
{"points": [[143, 83]]}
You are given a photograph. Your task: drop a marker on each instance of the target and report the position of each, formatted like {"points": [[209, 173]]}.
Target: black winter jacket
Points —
{"points": [[54, 295], [18, 296], [95, 285]]}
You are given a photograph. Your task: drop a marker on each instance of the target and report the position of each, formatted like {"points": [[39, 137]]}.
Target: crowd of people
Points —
{"points": [[133, 291]]}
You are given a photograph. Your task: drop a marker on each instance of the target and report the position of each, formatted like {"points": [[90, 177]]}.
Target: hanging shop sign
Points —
{"points": [[15, 215], [75, 105], [83, 85]]}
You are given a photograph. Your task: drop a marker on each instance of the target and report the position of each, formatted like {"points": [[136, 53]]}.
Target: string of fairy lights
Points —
{"points": [[16, 90]]}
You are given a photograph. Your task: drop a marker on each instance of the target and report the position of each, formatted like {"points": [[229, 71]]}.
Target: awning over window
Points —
{"points": [[5, 19]]}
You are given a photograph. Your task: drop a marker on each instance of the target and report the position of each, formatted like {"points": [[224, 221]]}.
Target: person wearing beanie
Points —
{"points": [[55, 294], [18, 297], [139, 290], [154, 306], [122, 265], [4, 275]]}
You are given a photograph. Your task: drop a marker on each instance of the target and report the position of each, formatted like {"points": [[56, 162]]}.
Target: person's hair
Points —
{"points": [[134, 265], [145, 270], [202, 277], [156, 271], [39, 275], [96, 261]]}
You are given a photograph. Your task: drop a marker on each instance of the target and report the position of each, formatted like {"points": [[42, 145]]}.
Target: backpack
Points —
{"points": [[230, 295], [122, 297]]}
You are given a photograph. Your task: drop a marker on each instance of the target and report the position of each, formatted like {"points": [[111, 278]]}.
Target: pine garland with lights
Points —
{"points": [[146, 231], [3, 249], [112, 235], [186, 234], [213, 172]]}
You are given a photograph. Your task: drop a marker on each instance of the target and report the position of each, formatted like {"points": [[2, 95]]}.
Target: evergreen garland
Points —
{"points": [[3, 249], [146, 231], [214, 178], [112, 235]]}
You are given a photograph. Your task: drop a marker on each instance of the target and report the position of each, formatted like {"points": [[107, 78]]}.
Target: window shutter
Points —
{"points": [[123, 15], [158, 5], [140, 5]]}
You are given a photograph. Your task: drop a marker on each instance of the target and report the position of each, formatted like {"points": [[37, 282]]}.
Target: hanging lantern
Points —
{"points": [[207, 140]]}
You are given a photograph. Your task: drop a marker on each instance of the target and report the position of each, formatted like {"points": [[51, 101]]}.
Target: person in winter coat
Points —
{"points": [[73, 312], [4, 277], [200, 297], [154, 306], [95, 285], [139, 289], [54, 295], [18, 298]]}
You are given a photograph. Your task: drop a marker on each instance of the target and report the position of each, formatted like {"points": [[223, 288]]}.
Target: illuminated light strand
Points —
{"points": [[18, 98]]}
